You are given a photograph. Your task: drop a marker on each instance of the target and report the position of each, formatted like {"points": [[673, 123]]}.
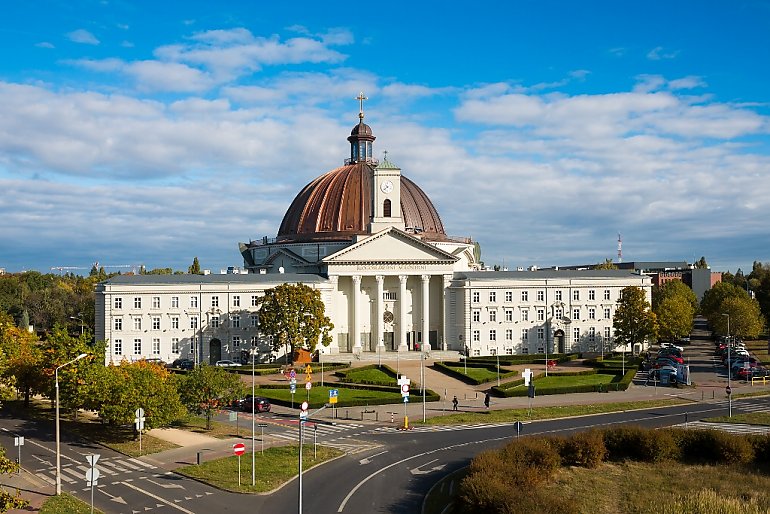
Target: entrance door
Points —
{"points": [[390, 341], [215, 351], [558, 338]]}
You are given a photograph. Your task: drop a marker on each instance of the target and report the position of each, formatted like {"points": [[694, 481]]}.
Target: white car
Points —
{"points": [[227, 364], [672, 346]]}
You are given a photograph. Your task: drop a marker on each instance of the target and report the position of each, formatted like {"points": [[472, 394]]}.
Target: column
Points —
{"points": [[425, 311], [402, 347], [356, 313], [379, 322], [445, 330]]}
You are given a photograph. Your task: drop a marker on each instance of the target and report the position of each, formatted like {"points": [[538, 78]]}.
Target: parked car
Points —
{"points": [[260, 404], [183, 364], [685, 339], [155, 360], [666, 345], [227, 363]]}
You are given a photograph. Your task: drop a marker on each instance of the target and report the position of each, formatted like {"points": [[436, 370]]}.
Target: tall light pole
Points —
{"points": [[422, 381], [80, 320], [253, 448], [58, 438], [729, 351]]}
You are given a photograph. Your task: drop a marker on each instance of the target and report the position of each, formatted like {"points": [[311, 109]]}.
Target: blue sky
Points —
{"points": [[153, 132]]}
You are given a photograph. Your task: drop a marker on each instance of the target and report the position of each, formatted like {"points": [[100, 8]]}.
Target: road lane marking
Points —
{"points": [[156, 497]]}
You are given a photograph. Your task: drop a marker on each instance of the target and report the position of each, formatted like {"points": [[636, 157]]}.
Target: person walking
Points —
{"points": [[454, 403], [486, 401]]}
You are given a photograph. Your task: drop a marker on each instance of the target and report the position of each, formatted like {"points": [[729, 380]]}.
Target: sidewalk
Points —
{"points": [[33, 489]]}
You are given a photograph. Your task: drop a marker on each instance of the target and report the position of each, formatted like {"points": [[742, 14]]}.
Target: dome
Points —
{"points": [[338, 205]]}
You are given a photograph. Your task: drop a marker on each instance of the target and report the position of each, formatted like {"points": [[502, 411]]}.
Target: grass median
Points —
{"points": [[66, 504], [275, 467]]}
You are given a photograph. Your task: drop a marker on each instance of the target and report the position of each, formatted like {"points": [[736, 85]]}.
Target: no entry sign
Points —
{"points": [[239, 449]]}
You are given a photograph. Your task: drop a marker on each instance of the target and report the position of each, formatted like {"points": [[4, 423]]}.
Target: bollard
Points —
{"points": [[347, 414], [392, 415], [376, 416], [198, 460], [701, 395], [362, 415], [712, 394]]}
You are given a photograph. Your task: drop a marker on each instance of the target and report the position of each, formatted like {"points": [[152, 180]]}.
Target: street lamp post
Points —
{"points": [[729, 351], [80, 320], [58, 437], [422, 381], [497, 354]]}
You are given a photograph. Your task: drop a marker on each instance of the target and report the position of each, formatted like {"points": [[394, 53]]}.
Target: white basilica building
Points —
{"points": [[392, 280]]}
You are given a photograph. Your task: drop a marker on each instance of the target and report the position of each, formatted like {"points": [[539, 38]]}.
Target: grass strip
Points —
{"points": [[66, 504], [277, 466], [553, 412], [750, 418]]}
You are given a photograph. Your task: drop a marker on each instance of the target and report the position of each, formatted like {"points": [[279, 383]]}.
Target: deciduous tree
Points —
{"points": [[9, 501], [634, 320], [208, 388]]}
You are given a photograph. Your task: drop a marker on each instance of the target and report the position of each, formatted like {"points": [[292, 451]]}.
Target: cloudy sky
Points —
{"points": [[153, 132]]}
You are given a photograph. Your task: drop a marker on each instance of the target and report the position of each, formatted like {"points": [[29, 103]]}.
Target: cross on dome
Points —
{"points": [[361, 99]]}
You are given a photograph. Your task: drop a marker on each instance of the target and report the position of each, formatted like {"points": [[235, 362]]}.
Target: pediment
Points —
{"points": [[284, 253], [390, 245]]}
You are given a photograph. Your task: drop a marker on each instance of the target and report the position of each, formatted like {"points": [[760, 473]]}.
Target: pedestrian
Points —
{"points": [[486, 401], [454, 403]]}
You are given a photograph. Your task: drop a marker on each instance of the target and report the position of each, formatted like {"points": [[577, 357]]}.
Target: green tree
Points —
{"points": [[634, 320], [23, 359], [195, 268], [607, 264], [9, 501], [746, 319], [711, 304], [294, 315], [208, 388], [120, 390], [675, 315], [701, 263]]}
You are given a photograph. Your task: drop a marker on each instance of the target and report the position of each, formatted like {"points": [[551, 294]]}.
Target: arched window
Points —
{"points": [[386, 208]]}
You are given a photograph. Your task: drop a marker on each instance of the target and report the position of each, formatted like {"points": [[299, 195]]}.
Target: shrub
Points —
{"points": [[641, 444], [713, 447], [584, 449], [760, 445]]}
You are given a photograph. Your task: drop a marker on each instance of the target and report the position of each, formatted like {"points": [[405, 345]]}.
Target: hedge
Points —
{"points": [[535, 358], [451, 371], [620, 383], [345, 377]]}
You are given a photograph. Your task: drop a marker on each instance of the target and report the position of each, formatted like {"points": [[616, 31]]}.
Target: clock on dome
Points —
{"points": [[386, 186]]}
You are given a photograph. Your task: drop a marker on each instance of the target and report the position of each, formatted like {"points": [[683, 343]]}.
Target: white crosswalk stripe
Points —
{"points": [[106, 467]]}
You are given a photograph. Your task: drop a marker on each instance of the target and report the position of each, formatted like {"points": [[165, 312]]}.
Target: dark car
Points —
{"points": [[260, 404], [183, 364]]}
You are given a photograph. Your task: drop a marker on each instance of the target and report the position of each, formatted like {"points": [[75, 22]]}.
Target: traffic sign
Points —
{"points": [[728, 390], [293, 381], [92, 458], [405, 390], [404, 383], [18, 440], [304, 406], [239, 449], [303, 411], [308, 370], [333, 394], [292, 388], [139, 413], [92, 476], [292, 374], [309, 386], [406, 399]]}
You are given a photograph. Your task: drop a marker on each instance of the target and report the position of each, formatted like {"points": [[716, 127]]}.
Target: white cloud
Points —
{"points": [[690, 82], [82, 36], [44, 44], [659, 53]]}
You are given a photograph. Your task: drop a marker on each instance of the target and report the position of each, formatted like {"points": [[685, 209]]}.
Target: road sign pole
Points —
{"points": [[239, 470], [299, 466], [315, 441], [262, 437]]}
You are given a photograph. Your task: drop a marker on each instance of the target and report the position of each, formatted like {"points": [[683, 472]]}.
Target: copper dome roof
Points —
{"points": [[338, 205]]}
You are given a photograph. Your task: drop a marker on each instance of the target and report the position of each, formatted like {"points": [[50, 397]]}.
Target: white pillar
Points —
{"points": [[379, 322], [444, 312], [356, 313], [425, 310], [402, 347]]}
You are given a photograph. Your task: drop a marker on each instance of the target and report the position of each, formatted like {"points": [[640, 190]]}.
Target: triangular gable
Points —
{"points": [[283, 252], [390, 245]]}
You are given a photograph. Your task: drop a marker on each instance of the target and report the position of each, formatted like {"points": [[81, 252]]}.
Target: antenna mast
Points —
{"points": [[620, 248]]}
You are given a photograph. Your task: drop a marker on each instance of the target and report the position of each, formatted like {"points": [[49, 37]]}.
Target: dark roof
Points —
{"points": [[541, 274], [230, 278]]}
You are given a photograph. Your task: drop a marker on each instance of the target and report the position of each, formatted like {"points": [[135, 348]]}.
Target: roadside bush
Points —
{"points": [[640, 444], [713, 447], [584, 449], [760, 445], [530, 461]]}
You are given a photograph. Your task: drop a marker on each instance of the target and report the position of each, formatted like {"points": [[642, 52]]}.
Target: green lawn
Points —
{"points": [[275, 467], [66, 504], [478, 374], [510, 415], [573, 380], [320, 395], [751, 418], [371, 375]]}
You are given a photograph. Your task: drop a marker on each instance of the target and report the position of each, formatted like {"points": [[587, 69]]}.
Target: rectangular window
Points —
{"points": [[524, 335], [557, 295], [476, 353], [607, 333], [493, 335], [509, 351], [236, 341], [509, 296], [493, 315], [156, 346], [541, 296], [137, 347], [576, 313], [509, 315], [576, 294], [575, 335], [214, 321], [540, 334], [477, 315], [174, 345], [137, 323], [591, 334], [509, 334], [118, 347], [254, 341], [118, 303], [156, 302], [254, 320], [525, 296], [607, 313], [118, 324], [236, 321], [175, 322], [156, 322], [591, 294], [236, 301], [194, 322], [606, 294], [254, 300], [541, 314], [558, 313], [524, 314], [476, 297], [175, 302], [477, 335], [215, 301], [492, 297], [194, 301], [137, 302], [591, 313], [389, 295]]}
